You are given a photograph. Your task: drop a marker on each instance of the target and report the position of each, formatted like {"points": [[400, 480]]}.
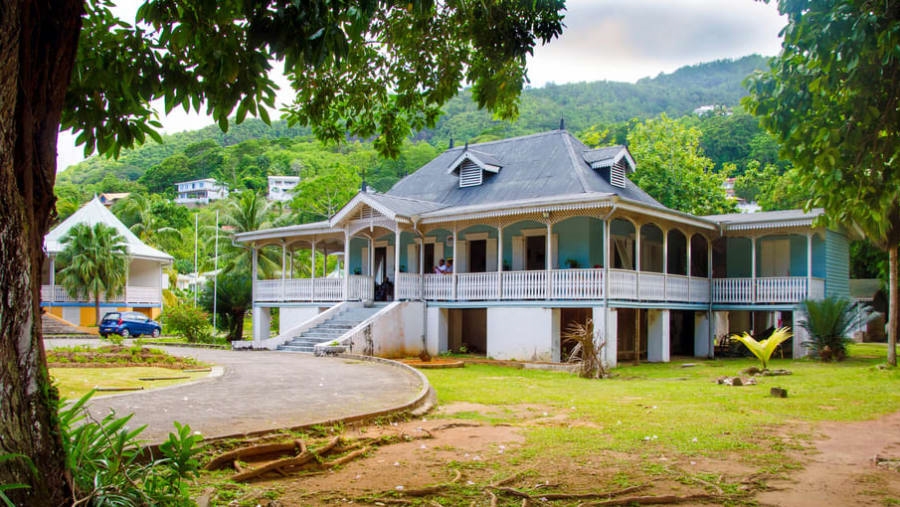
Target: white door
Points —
{"points": [[491, 255], [460, 258], [389, 272], [365, 261], [518, 253], [412, 258]]}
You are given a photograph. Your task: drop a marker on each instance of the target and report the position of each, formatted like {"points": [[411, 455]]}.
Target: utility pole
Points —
{"points": [[216, 272]]}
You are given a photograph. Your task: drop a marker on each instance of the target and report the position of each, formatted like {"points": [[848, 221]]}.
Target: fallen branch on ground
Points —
{"points": [[256, 450], [657, 500], [281, 464]]}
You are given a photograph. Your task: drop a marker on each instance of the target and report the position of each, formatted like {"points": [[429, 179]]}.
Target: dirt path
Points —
{"points": [[841, 470]]}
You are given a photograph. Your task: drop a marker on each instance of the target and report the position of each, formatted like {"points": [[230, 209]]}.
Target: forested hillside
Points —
{"points": [[581, 104]]}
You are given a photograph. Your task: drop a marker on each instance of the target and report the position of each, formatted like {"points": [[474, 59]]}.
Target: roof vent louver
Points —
{"points": [[617, 175], [470, 174]]}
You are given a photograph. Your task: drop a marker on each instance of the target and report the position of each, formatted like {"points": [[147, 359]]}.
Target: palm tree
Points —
{"points": [[94, 263], [139, 207]]}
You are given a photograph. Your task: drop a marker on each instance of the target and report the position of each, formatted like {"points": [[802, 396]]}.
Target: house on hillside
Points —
{"points": [[542, 232], [199, 192], [145, 279], [281, 187]]}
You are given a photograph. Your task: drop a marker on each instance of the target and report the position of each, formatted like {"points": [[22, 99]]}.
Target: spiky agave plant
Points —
{"points": [[763, 349]]}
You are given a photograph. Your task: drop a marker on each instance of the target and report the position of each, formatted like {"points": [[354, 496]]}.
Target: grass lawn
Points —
{"points": [[672, 408], [73, 383]]}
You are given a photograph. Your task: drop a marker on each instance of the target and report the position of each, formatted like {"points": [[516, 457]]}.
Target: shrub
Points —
{"points": [[189, 322], [107, 466], [829, 323], [587, 350], [763, 349]]}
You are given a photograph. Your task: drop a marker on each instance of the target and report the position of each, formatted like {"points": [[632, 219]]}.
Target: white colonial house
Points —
{"points": [[542, 232], [145, 278], [280, 187], [199, 192]]}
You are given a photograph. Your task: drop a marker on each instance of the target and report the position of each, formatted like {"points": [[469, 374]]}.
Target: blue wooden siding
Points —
{"points": [[837, 265], [819, 254], [406, 238], [738, 258], [356, 246], [580, 239]]}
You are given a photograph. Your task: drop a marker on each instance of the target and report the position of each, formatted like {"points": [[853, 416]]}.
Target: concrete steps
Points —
{"points": [[329, 330]]}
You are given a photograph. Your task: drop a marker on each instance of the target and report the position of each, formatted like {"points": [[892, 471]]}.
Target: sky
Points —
{"points": [[607, 40]]}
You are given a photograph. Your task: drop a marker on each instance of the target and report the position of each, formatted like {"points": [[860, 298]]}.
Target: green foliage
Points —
{"points": [[189, 322], [379, 70], [9, 487], [830, 98], [829, 323], [234, 299], [673, 170], [93, 262], [763, 349], [105, 459]]}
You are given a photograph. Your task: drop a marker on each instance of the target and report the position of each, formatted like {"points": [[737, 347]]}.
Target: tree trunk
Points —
{"points": [[38, 41], [237, 331], [97, 309], [894, 304]]}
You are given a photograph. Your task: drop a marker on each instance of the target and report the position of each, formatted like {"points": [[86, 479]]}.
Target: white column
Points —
{"points": [[637, 261], [753, 269], [665, 269], [283, 267], [499, 262], [701, 335], [800, 334], [547, 259], [396, 263], [455, 260], [257, 311], [312, 263], [346, 265], [689, 237], [809, 236], [421, 243], [607, 258], [606, 327], [658, 343], [53, 279]]}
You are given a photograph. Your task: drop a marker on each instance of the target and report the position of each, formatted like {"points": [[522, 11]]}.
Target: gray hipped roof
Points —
{"points": [[532, 167], [93, 213]]}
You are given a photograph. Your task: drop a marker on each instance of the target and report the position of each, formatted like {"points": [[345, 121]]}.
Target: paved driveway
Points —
{"points": [[263, 391]]}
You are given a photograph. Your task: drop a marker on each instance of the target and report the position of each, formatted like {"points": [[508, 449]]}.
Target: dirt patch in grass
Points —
{"points": [[461, 461]]}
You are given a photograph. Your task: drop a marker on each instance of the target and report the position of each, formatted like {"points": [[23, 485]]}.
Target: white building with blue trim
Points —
{"points": [[543, 232]]}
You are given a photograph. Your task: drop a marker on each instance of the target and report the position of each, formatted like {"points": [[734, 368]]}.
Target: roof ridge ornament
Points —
{"points": [[562, 123]]}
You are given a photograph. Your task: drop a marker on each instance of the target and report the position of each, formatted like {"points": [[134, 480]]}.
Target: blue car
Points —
{"points": [[128, 324]]}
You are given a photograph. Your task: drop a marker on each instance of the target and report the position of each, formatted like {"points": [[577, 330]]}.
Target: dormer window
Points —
{"points": [[613, 164], [471, 167]]}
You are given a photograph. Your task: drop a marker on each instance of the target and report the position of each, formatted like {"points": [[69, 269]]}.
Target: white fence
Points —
{"points": [[559, 284], [133, 294]]}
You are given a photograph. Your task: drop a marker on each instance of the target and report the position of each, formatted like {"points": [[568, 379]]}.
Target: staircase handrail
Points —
{"points": [[347, 339], [274, 342]]}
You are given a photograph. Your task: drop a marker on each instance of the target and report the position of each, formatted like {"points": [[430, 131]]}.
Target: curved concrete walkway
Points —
{"points": [[261, 391]]}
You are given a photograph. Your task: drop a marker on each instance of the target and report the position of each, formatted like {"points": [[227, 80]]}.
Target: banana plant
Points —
{"points": [[763, 349]]}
